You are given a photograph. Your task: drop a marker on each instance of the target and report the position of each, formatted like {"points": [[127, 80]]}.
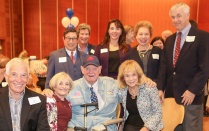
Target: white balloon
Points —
{"points": [[65, 21], [74, 21]]}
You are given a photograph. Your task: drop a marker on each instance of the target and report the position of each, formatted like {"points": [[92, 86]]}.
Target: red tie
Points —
{"points": [[177, 49], [72, 58]]}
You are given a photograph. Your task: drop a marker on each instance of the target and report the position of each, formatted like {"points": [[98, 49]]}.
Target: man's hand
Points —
{"points": [[161, 95], [188, 98], [150, 83], [48, 93]]}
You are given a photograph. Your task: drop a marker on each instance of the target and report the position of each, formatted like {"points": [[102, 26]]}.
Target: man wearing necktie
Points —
{"points": [[184, 67], [67, 59], [90, 89]]}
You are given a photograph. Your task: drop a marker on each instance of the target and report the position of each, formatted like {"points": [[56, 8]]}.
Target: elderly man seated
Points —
{"points": [[93, 88]]}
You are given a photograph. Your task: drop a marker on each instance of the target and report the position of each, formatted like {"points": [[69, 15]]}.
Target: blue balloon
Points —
{"points": [[70, 26], [69, 12]]}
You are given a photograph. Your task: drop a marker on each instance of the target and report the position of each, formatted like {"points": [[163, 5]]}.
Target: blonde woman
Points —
{"points": [[141, 104], [58, 108]]}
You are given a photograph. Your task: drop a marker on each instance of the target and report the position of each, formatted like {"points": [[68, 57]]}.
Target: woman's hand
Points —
{"points": [[144, 129]]}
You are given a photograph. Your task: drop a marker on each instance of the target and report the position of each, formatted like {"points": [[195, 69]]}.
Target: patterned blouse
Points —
{"points": [[57, 117], [148, 104]]}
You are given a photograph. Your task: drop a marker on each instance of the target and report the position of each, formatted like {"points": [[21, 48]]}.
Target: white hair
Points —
{"points": [[185, 8], [15, 62]]}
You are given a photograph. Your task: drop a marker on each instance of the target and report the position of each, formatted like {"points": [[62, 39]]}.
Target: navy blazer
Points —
{"points": [[104, 58], [191, 70], [153, 63], [60, 61], [33, 117]]}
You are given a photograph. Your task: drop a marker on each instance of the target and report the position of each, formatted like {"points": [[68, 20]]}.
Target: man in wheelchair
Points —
{"points": [[93, 88]]}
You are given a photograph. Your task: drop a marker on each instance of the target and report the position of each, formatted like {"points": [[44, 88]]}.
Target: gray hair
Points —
{"points": [[15, 62], [185, 8]]}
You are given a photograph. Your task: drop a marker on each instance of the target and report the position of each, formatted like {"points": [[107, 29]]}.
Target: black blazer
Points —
{"points": [[91, 49], [153, 63], [33, 117], [191, 70]]}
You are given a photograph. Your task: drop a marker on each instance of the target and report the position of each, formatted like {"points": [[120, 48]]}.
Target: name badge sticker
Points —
{"points": [[155, 56], [4, 84], [190, 38], [62, 59], [92, 51], [34, 100], [103, 50]]}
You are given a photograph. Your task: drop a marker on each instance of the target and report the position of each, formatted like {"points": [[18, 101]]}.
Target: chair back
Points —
{"points": [[173, 114]]}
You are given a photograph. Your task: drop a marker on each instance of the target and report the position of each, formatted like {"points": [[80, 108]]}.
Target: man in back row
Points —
{"points": [[67, 59], [184, 67]]}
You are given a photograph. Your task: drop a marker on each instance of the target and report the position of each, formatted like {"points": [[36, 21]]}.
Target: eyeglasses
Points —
{"points": [[68, 39]]}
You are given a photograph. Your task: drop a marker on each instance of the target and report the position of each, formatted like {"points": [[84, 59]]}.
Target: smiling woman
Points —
{"points": [[58, 108]]}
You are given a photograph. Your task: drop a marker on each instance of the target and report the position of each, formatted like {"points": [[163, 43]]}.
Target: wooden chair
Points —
{"points": [[173, 114]]}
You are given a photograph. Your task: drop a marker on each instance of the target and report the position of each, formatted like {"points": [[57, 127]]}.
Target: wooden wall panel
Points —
{"points": [[48, 27], [62, 7], [92, 20], [154, 11], [31, 14], [203, 17]]}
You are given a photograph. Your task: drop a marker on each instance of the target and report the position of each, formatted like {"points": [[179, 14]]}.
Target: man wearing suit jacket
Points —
{"points": [[83, 32], [67, 59], [20, 108], [185, 79]]}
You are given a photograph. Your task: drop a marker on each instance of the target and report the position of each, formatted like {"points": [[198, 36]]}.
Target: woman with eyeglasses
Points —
{"points": [[113, 50]]}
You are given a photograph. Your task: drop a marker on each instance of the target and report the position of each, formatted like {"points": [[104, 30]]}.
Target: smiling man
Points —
{"points": [[83, 32], [89, 89], [67, 59], [184, 67], [20, 108]]}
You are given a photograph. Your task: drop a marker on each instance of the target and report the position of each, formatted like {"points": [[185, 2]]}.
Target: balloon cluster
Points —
{"points": [[70, 21]]}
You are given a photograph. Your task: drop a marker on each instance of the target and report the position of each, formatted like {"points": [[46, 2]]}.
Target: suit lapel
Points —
{"points": [[170, 49], [85, 91], [25, 108], [4, 102], [66, 64], [185, 47]]}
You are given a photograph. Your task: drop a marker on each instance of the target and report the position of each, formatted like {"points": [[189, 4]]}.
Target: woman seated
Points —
{"points": [[58, 108], [32, 86], [141, 105]]}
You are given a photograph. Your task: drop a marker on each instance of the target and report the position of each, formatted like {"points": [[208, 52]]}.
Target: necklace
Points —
{"points": [[133, 93], [143, 52]]}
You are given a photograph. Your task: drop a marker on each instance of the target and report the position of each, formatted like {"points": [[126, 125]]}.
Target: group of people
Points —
{"points": [[112, 73]]}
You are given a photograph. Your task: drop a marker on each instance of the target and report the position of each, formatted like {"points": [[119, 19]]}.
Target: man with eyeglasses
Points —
{"points": [[67, 59]]}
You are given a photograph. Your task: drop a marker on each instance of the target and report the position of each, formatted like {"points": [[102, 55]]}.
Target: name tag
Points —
{"points": [[62, 59], [34, 100], [155, 56], [4, 84], [103, 50], [190, 38], [92, 51]]}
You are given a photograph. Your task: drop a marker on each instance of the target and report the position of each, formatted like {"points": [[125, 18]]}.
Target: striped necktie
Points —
{"points": [[177, 49]]}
